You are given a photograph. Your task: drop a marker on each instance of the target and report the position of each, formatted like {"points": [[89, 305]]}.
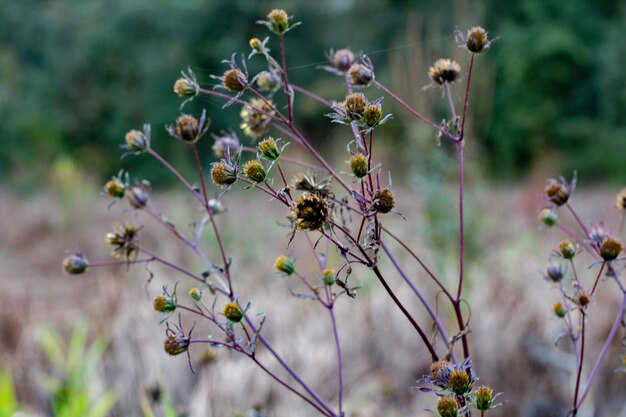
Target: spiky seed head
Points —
{"points": [[484, 398], [343, 59], [164, 303], [185, 87], [557, 193], [285, 265], [459, 382], [234, 80], [75, 264], [223, 174], [254, 171], [136, 141], [584, 299], [559, 310], [137, 196], [175, 345], [548, 217], [358, 165], [187, 128], [268, 149], [555, 272], [195, 294], [354, 105], [232, 312], [611, 248], [311, 212], [447, 407], [328, 276], [444, 71], [255, 43], [567, 249], [476, 40], [360, 75], [437, 367], [620, 200], [279, 20], [383, 201], [115, 188], [372, 114]]}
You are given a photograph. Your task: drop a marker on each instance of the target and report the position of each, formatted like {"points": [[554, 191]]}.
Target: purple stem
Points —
{"points": [[311, 95], [331, 311], [176, 174]]}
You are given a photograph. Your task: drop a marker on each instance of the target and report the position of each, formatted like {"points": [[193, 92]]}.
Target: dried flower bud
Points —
{"points": [[279, 20], [559, 310], [136, 141], [185, 87], [583, 299], [610, 249], [255, 43], [234, 80], [328, 276], [372, 114], [223, 174], [254, 171], [548, 217], [459, 382], [476, 40], [438, 367], [567, 249], [233, 312], [444, 71], [187, 128], [558, 193], [216, 206], [195, 294], [123, 241], [285, 265], [447, 407], [383, 201], [115, 188], [358, 165], [484, 398], [138, 195], [164, 303], [354, 105], [343, 59], [620, 200], [361, 75], [75, 264], [555, 272], [268, 149], [175, 345], [311, 212]]}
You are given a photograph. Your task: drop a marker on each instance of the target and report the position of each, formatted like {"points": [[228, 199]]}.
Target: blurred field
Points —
{"points": [[513, 330]]}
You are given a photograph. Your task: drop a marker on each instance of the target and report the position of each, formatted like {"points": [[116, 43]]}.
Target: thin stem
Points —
{"points": [[462, 329], [176, 173], [465, 100], [311, 95], [331, 311], [580, 364], [283, 71], [461, 222], [178, 268], [578, 220], [119, 263], [595, 284], [417, 327], [446, 87]]}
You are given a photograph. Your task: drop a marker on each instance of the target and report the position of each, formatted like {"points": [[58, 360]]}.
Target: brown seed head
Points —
{"points": [[75, 264], [383, 201], [610, 249], [583, 299], [354, 105], [115, 188], [620, 200], [360, 75], [476, 39], [557, 193], [310, 211], [175, 345], [372, 114], [343, 59], [187, 128], [444, 71], [234, 80]]}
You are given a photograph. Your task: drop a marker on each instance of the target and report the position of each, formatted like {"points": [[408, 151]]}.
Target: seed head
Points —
{"points": [[476, 40], [223, 174], [557, 192], [115, 188], [255, 117], [255, 43], [447, 407], [584, 299], [285, 265], [187, 128], [234, 80], [610, 249], [268, 149], [438, 367], [459, 382], [620, 200], [279, 20], [383, 201], [164, 303], [358, 165], [311, 212], [136, 141], [361, 75], [195, 294], [254, 171], [343, 59], [138, 195], [444, 71], [328, 276], [484, 398], [372, 114], [555, 272], [354, 105], [185, 87], [233, 312], [123, 240], [559, 310], [175, 345], [75, 264], [548, 217], [567, 249]]}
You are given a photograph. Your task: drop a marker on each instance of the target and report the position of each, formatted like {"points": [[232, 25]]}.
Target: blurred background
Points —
{"points": [[548, 99]]}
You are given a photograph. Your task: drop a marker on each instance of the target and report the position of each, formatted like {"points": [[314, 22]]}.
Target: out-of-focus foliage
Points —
{"points": [[75, 76], [8, 401]]}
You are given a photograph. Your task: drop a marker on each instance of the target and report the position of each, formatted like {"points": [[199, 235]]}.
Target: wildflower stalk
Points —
{"points": [[157, 258], [288, 160], [580, 364], [176, 173], [312, 95], [578, 220], [333, 320], [283, 71]]}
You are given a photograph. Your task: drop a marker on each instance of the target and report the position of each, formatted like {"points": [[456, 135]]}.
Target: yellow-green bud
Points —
{"points": [[358, 165], [444, 71], [195, 294], [175, 345], [279, 20], [75, 264], [548, 217], [559, 310], [136, 141], [447, 407], [254, 171], [255, 43], [328, 276], [233, 312], [484, 398], [567, 249], [234, 80], [185, 88], [372, 114], [610, 249], [383, 201], [223, 174], [268, 149], [115, 188], [476, 39], [285, 265], [459, 382], [164, 303]]}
